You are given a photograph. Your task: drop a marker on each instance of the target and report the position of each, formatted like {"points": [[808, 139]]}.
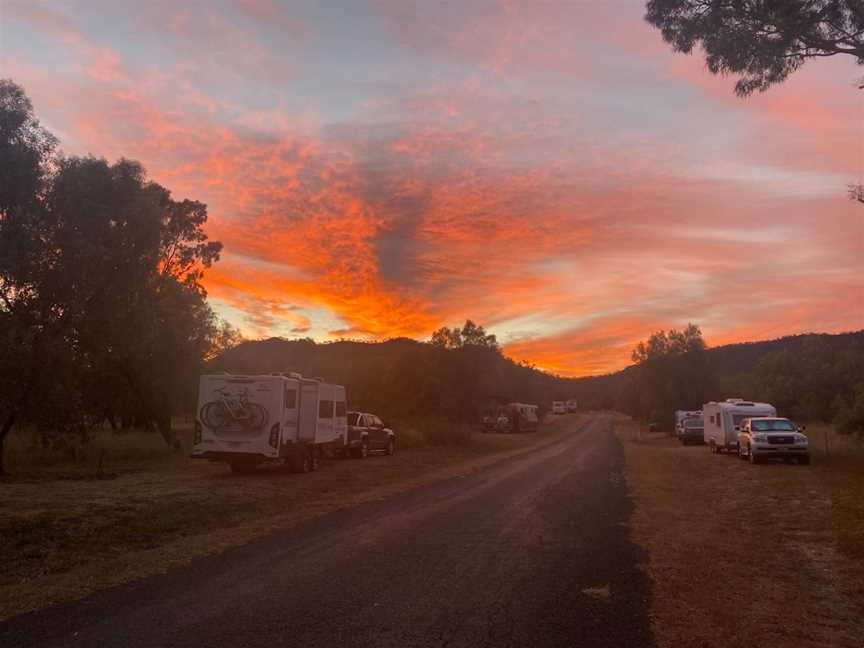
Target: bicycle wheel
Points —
{"points": [[257, 417], [214, 416]]}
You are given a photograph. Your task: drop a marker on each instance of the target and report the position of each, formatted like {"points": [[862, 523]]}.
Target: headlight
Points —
{"points": [[761, 438], [800, 438]]}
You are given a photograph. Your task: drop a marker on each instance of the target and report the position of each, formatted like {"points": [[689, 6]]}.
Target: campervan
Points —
{"points": [[558, 407], [522, 417], [247, 420], [572, 405], [723, 419]]}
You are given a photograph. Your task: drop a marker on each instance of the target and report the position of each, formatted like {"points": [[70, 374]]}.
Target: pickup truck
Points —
{"points": [[367, 434], [772, 438]]}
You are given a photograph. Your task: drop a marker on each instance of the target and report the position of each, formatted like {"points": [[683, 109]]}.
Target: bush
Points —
{"points": [[850, 413]]}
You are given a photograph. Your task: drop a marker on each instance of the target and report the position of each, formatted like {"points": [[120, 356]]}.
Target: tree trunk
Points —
{"points": [[164, 425], [4, 432]]}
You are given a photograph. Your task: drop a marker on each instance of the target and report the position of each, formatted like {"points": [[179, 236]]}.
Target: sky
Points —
{"points": [[551, 170]]}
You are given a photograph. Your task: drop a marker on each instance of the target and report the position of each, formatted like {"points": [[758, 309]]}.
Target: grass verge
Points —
{"points": [[744, 555], [63, 536]]}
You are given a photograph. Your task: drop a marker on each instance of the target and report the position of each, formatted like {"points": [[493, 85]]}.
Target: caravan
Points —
{"points": [[722, 421], [277, 418]]}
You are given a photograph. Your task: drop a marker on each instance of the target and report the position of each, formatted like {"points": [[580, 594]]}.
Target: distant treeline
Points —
{"points": [[404, 380], [812, 377]]}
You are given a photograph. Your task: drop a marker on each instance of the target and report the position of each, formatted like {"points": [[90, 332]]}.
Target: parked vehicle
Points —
{"points": [[559, 407], [250, 420], [691, 430], [366, 434], [488, 422], [572, 405], [722, 418], [680, 415], [522, 417], [772, 438]]}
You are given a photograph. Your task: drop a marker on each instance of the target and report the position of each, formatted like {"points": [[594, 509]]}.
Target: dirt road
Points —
{"points": [[531, 551]]}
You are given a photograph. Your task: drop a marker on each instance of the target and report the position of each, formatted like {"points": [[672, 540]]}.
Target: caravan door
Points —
{"points": [[307, 428]]}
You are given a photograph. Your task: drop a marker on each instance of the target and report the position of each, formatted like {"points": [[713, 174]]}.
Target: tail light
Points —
{"points": [[197, 438], [274, 435]]}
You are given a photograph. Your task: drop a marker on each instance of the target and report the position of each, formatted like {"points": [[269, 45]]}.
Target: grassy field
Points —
{"points": [[67, 529], [743, 555]]}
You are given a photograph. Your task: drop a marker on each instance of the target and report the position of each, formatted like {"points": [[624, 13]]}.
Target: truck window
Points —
{"points": [[340, 409], [325, 409], [290, 398]]}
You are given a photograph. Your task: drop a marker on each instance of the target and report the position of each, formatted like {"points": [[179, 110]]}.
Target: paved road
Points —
{"points": [[532, 551]]}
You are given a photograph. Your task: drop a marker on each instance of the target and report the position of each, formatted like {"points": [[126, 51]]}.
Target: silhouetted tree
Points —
{"points": [[469, 335], [761, 41], [101, 306]]}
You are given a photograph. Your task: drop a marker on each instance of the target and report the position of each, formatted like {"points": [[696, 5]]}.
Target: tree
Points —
{"points": [[669, 343], [26, 151], [101, 305], [469, 335], [761, 41]]}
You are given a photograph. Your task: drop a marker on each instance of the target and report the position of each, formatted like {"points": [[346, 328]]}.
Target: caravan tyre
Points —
{"points": [[754, 458], [314, 458]]}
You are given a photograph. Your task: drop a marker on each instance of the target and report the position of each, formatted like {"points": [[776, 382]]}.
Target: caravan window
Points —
{"points": [[340, 408], [325, 409], [290, 398]]}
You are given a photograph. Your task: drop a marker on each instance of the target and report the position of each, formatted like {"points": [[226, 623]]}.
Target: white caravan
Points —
{"points": [[722, 421], [572, 405], [282, 418], [558, 407]]}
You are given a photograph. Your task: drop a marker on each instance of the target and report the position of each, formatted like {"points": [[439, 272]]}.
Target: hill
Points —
{"points": [[808, 377], [403, 379]]}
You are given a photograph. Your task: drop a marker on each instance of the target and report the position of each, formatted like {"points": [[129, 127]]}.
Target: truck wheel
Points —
{"points": [[391, 447], [804, 461], [364, 449], [301, 462]]}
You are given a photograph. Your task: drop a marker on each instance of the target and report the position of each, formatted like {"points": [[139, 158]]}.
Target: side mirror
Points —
{"points": [[803, 428]]}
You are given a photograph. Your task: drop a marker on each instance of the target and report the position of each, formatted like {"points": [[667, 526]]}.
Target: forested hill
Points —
{"points": [[402, 378], [808, 377]]}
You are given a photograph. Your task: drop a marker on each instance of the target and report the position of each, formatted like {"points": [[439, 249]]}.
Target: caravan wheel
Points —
{"points": [[314, 458]]}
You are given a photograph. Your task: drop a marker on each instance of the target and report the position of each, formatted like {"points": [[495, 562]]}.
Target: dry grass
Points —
{"points": [[744, 556], [62, 535]]}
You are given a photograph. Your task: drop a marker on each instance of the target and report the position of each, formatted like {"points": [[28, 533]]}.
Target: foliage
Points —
{"points": [[405, 381], [469, 335], [669, 343], [102, 309], [850, 412], [814, 377], [761, 41]]}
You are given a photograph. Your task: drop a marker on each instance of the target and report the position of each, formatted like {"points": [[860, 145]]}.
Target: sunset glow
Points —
{"points": [[553, 172]]}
